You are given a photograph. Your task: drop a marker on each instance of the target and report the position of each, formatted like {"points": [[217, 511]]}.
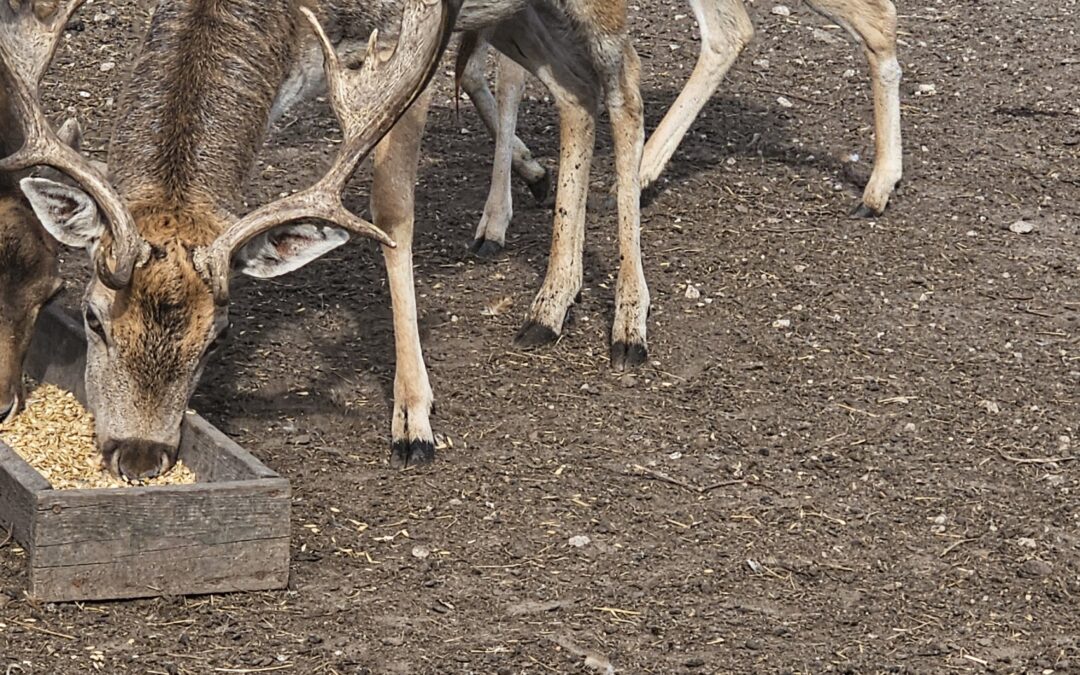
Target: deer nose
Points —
{"points": [[137, 460]]}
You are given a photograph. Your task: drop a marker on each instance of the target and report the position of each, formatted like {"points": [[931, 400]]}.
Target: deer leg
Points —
{"points": [[628, 344], [392, 200], [577, 137], [873, 24], [499, 209], [725, 30], [475, 85]]}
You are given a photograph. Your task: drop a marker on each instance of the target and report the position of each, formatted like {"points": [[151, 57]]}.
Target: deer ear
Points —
{"points": [[67, 213], [71, 133], [285, 249]]}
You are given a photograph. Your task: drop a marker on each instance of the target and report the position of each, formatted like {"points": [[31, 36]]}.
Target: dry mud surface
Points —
{"points": [[855, 452]]}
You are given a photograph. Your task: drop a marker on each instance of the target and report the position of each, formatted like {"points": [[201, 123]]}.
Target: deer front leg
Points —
{"points": [[725, 30], [491, 234], [628, 343], [873, 24], [392, 201], [577, 136]]}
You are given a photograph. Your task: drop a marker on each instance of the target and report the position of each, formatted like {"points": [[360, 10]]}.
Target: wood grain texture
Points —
{"points": [[215, 457], [19, 485]]}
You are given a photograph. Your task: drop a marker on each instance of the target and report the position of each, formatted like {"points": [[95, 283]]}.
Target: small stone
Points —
{"points": [[784, 102], [1026, 542], [579, 541], [421, 552], [782, 323], [1022, 227], [1035, 569], [781, 10], [628, 381], [692, 292], [302, 439], [107, 66], [926, 90]]}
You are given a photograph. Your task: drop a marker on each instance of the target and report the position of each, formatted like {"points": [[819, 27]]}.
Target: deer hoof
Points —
{"points": [[534, 334], [861, 210], [486, 249], [626, 355], [541, 188], [405, 453]]}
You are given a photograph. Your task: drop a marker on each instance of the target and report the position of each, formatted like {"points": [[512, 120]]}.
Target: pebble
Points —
{"points": [[1035, 569], [781, 10], [579, 541]]}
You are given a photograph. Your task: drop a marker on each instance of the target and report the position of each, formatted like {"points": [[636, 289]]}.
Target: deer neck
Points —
{"points": [[197, 104]]}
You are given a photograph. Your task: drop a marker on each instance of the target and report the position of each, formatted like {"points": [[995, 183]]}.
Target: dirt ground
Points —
{"points": [[856, 452]]}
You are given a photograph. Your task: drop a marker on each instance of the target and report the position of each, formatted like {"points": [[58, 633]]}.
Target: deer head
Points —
{"points": [[158, 303]]}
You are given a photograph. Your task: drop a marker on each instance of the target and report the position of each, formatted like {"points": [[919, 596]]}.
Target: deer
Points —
{"points": [[29, 269], [161, 230], [726, 29]]}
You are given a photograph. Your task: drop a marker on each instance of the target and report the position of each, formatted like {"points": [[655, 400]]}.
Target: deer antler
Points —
{"points": [[28, 41], [367, 103]]}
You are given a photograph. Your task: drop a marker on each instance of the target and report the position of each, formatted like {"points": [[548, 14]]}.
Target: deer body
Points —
{"points": [[725, 31]]}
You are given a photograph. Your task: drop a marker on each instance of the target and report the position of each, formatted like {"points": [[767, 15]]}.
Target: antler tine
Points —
{"points": [[27, 45], [367, 102]]}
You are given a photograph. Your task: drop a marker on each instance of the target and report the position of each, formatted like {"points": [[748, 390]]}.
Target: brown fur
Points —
{"points": [[189, 123], [29, 275]]}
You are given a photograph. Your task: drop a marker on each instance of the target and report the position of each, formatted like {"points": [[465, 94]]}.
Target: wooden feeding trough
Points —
{"points": [[227, 532]]}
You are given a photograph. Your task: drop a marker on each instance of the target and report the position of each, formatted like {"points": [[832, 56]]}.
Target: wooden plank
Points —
{"points": [[102, 526], [18, 502], [221, 568], [214, 457]]}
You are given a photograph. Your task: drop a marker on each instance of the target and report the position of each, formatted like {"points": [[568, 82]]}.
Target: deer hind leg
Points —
{"points": [[562, 284], [474, 82], [628, 344], [564, 69], [491, 233], [873, 24], [725, 30], [392, 200]]}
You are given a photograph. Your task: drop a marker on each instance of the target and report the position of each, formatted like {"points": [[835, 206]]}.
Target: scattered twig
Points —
{"points": [[1036, 460], [700, 489], [7, 537], [266, 669], [956, 544], [660, 475], [46, 631]]}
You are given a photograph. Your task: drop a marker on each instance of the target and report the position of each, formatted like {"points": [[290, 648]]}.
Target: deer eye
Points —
{"points": [[94, 323]]}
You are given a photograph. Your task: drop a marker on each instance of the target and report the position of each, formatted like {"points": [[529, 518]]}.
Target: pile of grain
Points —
{"points": [[55, 435]]}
